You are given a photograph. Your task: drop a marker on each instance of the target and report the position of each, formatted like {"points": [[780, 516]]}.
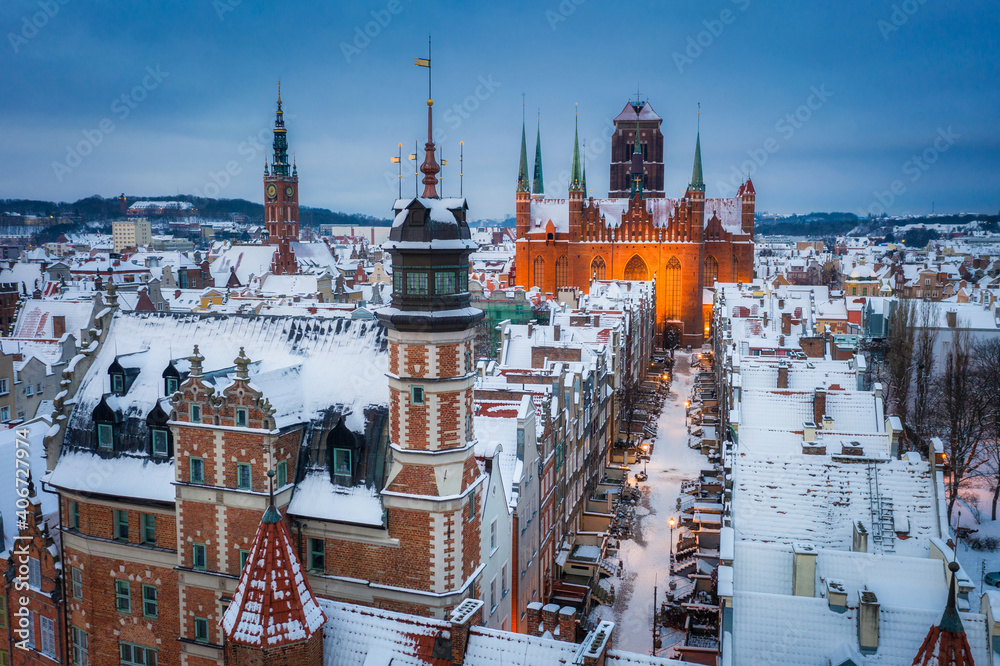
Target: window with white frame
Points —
{"points": [[34, 573], [48, 636], [78, 637], [493, 536]]}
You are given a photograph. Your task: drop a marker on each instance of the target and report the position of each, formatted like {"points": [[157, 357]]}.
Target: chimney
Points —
{"points": [[803, 570], [531, 328], [58, 326], [783, 374], [786, 323], [836, 595], [827, 422], [550, 619], [952, 317], [595, 646], [819, 404], [467, 614], [859, 542], [556, 332], [567, 624], [868, 621], [534, 619], [809, 431]]}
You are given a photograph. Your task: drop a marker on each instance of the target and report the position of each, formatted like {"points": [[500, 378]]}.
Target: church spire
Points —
{"points": [[697, 180], [584, 168], [537, 186], [522, 172], [430, 166], [576, 182], [280, 161]]}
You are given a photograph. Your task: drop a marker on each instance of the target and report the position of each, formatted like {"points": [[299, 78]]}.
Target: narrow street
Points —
{"points": [[645, 557]]}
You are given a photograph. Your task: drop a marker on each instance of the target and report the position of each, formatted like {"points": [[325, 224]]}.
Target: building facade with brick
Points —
{"points": [[684, 244]]}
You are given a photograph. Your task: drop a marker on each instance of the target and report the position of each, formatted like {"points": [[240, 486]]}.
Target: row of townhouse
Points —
{"points": [[575, 371], [834, 546]]}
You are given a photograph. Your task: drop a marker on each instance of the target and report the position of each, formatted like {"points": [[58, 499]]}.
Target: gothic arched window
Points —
{"points": [[562, 272], [539, 273], [598, 269], [636, 269], [711, 271], [672, 282]]}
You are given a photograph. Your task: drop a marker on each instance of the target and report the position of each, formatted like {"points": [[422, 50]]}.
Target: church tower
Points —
{"points": [[434, 489], [637, 126], [281, 200]]}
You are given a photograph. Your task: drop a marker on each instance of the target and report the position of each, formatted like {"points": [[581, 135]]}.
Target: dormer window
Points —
{"points": [[105, 436], [171, 385], [342, 464], [117, 375], [171, 379], [160, 448]]}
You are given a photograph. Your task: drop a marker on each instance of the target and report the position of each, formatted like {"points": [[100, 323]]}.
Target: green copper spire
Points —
{"points": [[585, 168], [537, 186], [522, 172], [576, 181], [697, 180]]}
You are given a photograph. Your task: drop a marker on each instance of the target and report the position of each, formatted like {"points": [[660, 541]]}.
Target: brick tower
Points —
{"points": [[281, 200], [637, 119], [433, 493]]}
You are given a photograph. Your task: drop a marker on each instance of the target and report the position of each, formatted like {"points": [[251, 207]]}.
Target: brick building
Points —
{"points": [[685, 244], [281, 200]]}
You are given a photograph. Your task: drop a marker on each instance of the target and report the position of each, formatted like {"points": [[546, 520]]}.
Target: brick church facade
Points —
{"points": [[685, 244]]}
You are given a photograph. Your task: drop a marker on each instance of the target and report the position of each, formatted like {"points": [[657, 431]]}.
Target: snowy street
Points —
{"points": [[646, 556]]}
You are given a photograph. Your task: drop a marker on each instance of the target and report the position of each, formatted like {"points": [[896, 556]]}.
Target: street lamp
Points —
{"points": [[670, 571], [645, 456]]}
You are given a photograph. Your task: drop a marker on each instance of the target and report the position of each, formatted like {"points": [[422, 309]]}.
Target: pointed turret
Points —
{"points": [[697, 183], [536, 186], [522, 171], [584, 168], [576, 179], [280, 162], [946, 644], [274, 617]]}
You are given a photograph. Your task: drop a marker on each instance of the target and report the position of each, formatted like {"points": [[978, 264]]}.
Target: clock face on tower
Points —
{"points": [[272, 191], [289, 191]]}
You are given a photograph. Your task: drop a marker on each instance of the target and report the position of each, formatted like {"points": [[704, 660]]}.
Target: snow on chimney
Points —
{"points": [[467, 614], [804, 570], [783, 374], [819, 404], [868, 621]]}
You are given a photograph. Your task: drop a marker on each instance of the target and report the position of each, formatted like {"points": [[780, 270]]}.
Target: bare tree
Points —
{"points": [[897, 372], [923, 367], [987, 371], [960, 410]]}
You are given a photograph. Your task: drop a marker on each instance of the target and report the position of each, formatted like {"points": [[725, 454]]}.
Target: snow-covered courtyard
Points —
{"points": [[646, 556]]}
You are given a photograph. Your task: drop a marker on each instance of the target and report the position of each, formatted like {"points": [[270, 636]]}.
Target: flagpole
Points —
{"points": [[400, 158], [415, 170], [461, 167]]}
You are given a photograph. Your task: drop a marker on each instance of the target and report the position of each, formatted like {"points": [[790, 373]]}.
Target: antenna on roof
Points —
{"points": [[461, 164]]}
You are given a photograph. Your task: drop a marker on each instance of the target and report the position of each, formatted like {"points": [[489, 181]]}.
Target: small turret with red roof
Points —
{"points": [[946, 644], [274, 619]]}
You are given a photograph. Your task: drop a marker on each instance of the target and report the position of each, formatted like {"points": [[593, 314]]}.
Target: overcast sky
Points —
{"points": [[850, 106]]}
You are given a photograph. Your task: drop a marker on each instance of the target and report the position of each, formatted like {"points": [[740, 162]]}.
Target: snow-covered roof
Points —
{"points": [[798, 498], [728, 211], [9, 458], [317, 497], [36, 320], [132, 477], [273, 604], [785, 630]]}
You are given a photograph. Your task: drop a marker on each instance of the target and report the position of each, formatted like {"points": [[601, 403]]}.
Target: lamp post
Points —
{"points": [[645, 456], [670, 570]]}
